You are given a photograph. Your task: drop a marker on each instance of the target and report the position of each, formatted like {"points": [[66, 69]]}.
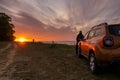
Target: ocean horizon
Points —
{"points": [[61, 42]]}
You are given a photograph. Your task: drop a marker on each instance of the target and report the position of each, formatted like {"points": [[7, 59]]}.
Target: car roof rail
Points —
{"points": [[105, 23], [114, 24]]}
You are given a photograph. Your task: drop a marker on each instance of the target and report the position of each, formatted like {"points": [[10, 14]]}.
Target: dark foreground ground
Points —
{"points": [[37, 61]]}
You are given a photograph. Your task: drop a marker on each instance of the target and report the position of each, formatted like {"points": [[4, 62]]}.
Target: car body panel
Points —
{"points": [[95, 44]]}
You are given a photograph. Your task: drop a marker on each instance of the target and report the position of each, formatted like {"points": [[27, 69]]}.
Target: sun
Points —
{"points": [[22, 39]]}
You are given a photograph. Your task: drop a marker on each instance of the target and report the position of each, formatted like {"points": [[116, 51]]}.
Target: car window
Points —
{"points": [[86, 35], [91, 34], [115, 30], [98, 32]]}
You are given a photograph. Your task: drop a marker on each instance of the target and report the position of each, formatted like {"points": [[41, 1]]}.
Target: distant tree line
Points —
{"points": [[6, 28]]}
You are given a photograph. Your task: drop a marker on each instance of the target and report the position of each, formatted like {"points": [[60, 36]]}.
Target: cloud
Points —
{"points": [[50, 17], [87, 13]]}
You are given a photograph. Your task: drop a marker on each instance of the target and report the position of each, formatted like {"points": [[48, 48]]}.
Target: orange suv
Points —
{"points": [[101, 45]]}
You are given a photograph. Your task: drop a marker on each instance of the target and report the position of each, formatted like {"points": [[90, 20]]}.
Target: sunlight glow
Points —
{"points": [[22, 39]]}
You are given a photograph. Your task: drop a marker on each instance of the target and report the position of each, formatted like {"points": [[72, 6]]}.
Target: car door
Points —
{"points": [[86, 43], [83, 44]]}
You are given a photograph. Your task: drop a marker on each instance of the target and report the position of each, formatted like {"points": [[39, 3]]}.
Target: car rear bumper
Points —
{"points": [[113, 61], [108, 55]]}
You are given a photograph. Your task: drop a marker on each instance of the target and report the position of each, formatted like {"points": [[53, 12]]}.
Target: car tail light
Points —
{"points": [[108, 41]]}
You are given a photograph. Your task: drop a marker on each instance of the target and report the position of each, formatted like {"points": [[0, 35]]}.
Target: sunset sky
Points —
{"points": [[58, 20]]}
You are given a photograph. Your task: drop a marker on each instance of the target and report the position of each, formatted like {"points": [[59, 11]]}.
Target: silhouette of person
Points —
{"points": [[33, 40], [78, 38]]}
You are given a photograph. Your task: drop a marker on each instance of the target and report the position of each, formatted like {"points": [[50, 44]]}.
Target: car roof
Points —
{"points": [[105, 24], [114, 25]]}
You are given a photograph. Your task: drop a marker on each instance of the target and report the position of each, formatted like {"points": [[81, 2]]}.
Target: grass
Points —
{"points": [[38, 61], [3, 44]]}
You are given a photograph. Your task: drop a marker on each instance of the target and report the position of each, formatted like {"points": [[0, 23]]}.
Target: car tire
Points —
{"points": [[93, 64]]}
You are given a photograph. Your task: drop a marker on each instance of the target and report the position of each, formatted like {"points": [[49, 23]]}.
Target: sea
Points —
{"points": [[61, 42]]}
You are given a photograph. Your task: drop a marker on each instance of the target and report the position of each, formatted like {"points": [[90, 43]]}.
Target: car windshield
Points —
{"points": [[114, 30]]}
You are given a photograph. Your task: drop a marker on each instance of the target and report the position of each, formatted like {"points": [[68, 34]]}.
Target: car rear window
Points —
{"points": [[114, 30]]}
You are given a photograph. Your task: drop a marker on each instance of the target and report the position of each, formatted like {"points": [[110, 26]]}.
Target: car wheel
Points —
{"points": [[93, 64]]}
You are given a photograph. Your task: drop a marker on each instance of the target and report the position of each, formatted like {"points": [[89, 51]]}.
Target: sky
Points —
{"points": [[58, 20]]}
